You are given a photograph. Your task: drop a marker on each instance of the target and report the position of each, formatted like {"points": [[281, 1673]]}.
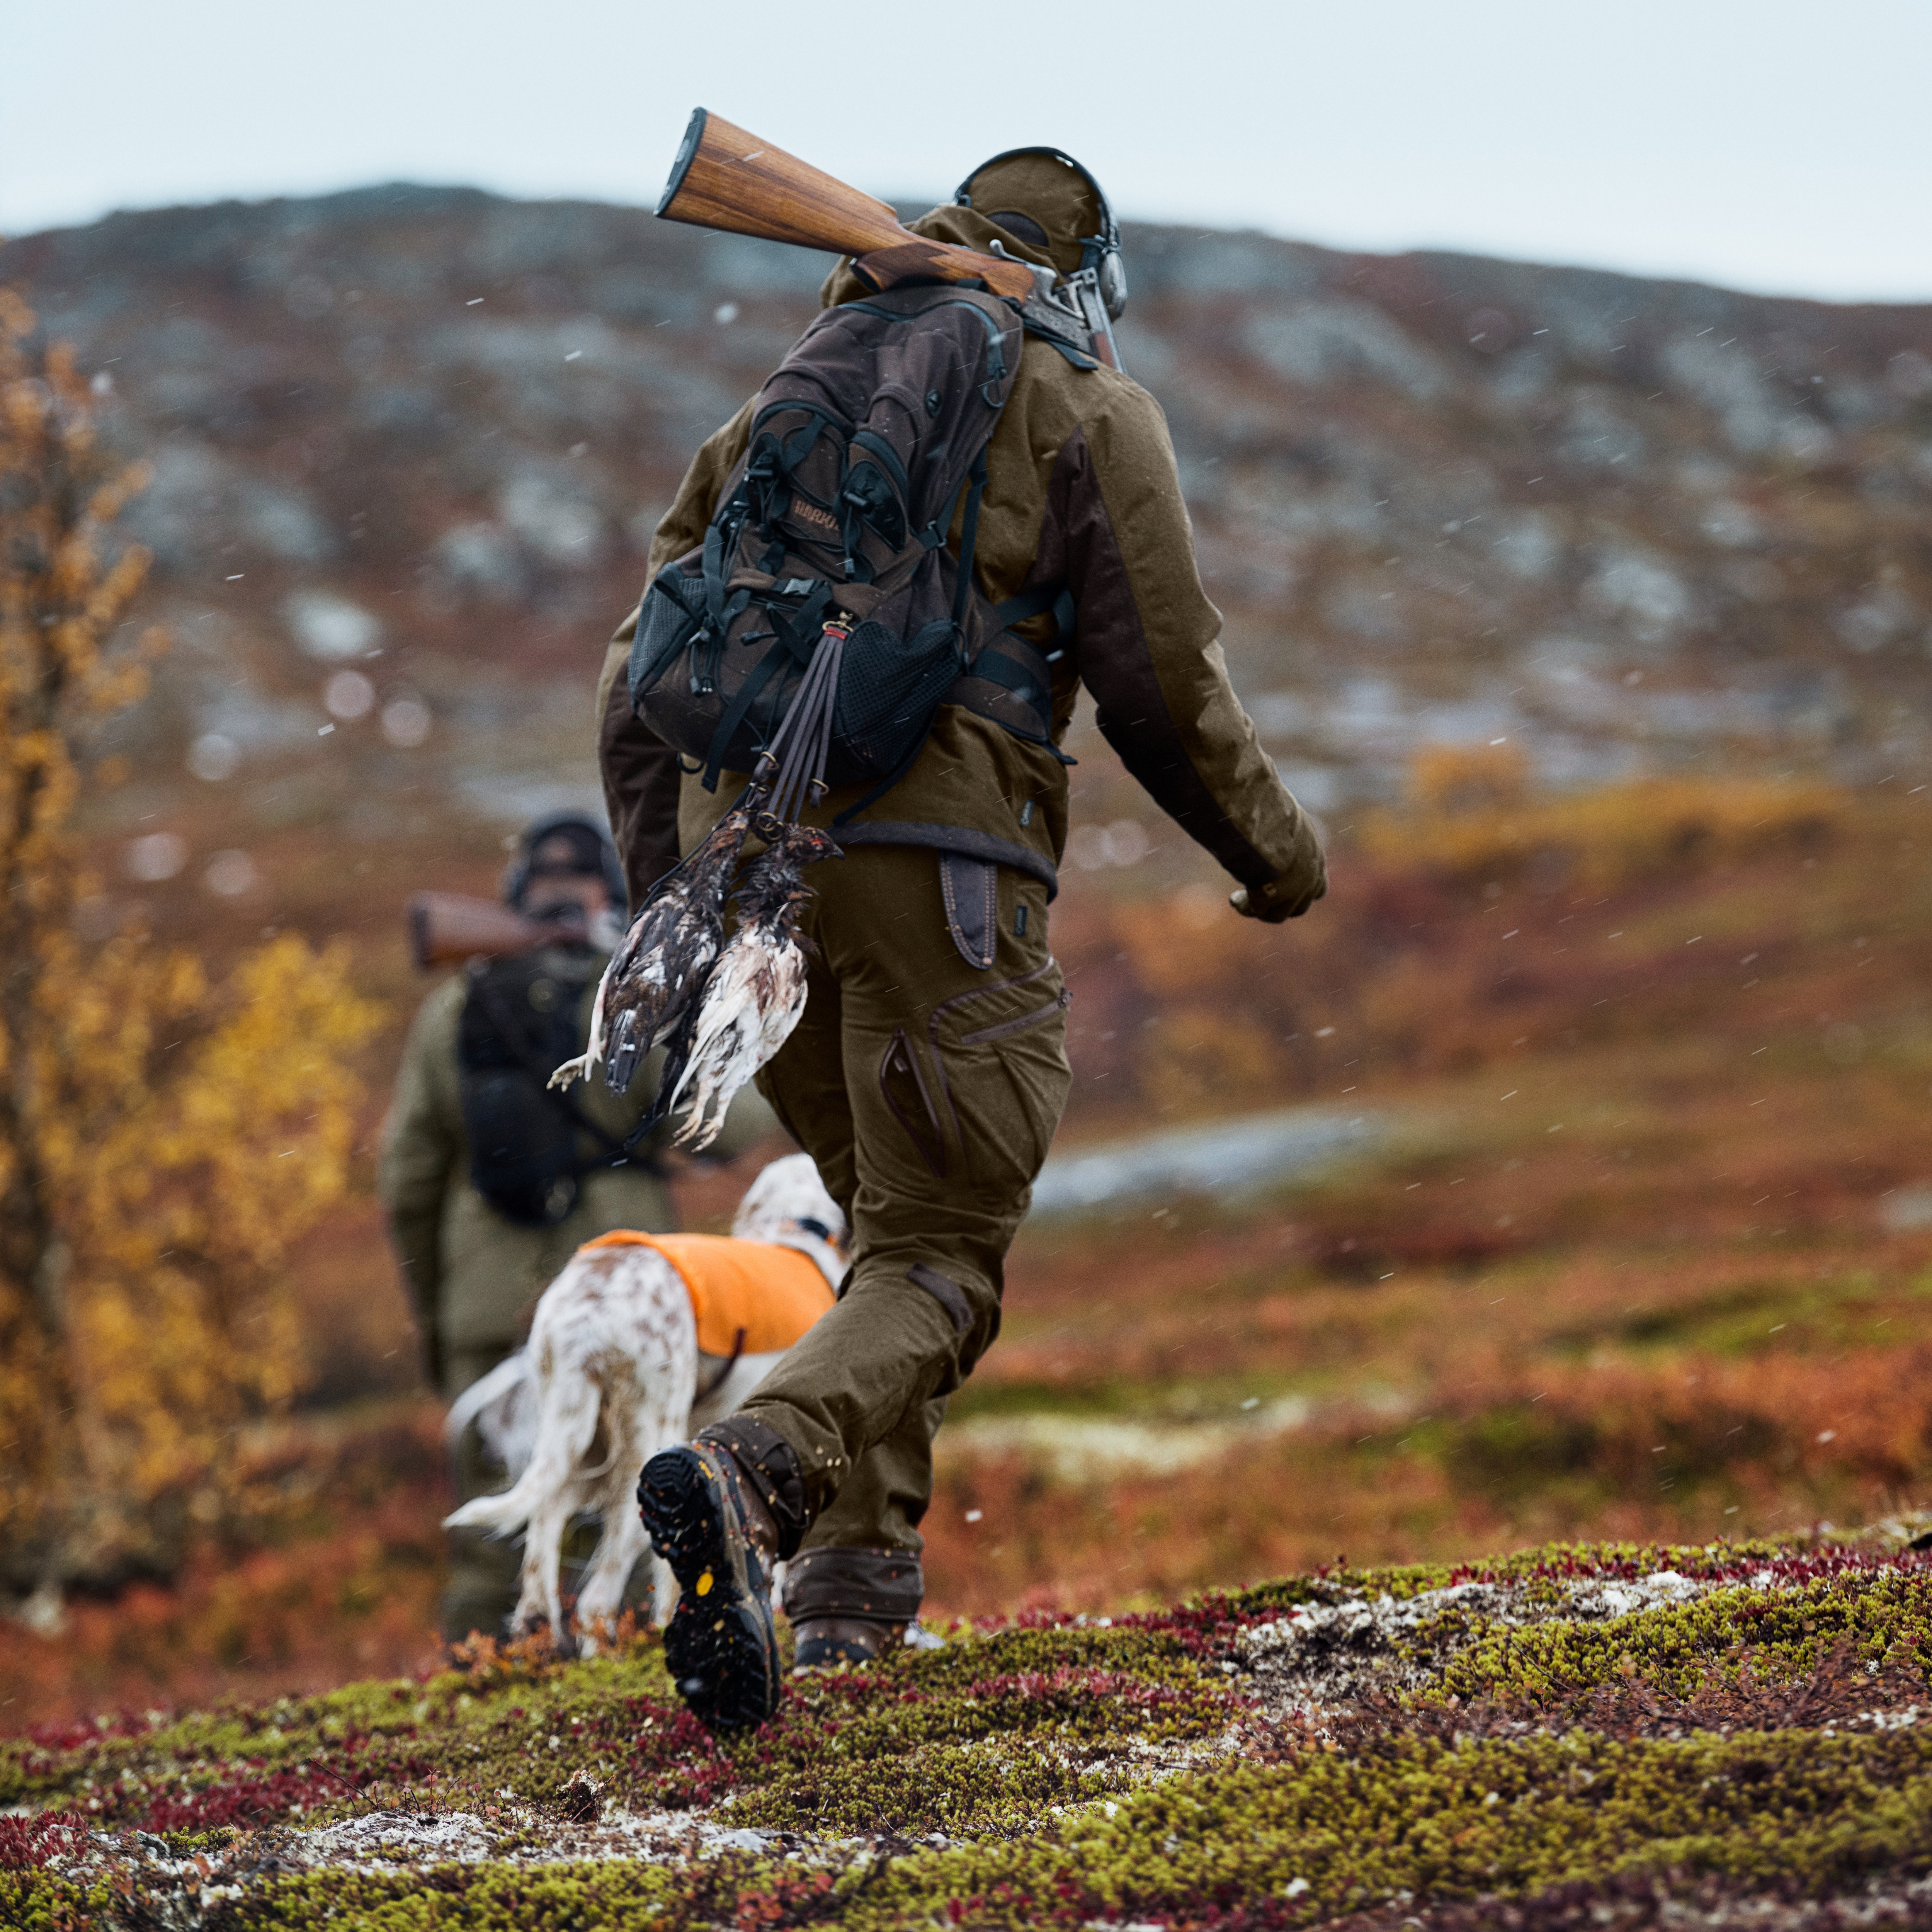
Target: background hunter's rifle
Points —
{"points": [[446, 927], [724, 177]]}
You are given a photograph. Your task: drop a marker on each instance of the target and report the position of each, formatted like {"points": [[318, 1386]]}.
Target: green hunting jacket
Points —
{"points": [[1081, 488], [474, 1276]]}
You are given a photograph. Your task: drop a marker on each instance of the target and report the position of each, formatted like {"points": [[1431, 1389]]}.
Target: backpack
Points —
{"points": [[527, 1154], [813, 637]]}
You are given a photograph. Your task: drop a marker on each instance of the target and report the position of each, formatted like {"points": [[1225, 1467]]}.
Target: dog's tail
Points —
{"points": [[506, 1375], [565, 1431]]}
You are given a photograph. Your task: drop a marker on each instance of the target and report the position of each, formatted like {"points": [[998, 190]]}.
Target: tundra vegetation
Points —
{"points": [[1674, 1286], [1614, 1735], [1695, 1312]]}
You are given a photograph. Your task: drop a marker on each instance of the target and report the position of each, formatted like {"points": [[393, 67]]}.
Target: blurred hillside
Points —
{"points": [[410, 445]]}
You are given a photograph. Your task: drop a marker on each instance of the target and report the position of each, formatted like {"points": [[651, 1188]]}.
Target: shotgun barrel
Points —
{"points": [[724, 177]]}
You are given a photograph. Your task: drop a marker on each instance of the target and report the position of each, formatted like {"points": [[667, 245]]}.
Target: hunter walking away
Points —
{"points": [[871, 606]]}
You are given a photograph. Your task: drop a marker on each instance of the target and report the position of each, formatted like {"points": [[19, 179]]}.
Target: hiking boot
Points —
{"points": [[720, 1644], [824, 1643]]}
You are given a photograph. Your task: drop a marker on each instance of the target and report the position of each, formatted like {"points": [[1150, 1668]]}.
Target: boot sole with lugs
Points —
{"points": [[721, 1645]]}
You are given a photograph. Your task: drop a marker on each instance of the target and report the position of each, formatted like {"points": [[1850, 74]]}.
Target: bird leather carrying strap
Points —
{"points": [[811, 638]]}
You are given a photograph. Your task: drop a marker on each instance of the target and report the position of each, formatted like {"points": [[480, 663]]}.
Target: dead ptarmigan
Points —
{"points": [[655, 977], [757, 990]]}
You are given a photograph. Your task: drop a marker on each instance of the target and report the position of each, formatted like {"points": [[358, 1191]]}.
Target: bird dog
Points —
{"points": [[611, 1374]]}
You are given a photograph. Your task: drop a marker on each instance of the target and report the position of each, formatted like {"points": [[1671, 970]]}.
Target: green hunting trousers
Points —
{"points": [[927, 1086]]}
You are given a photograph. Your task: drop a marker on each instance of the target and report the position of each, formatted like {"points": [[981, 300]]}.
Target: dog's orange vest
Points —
{"points": [[773, 1294]]}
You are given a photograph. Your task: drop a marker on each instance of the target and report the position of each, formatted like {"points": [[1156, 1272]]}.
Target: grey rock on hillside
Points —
{"points": [[421, 436]]}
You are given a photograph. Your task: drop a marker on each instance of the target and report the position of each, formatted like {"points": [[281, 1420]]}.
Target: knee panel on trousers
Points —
{"points": [[837, 1581], [976, 1329]]}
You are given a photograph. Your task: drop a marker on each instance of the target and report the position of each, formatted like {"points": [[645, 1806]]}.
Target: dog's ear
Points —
{"points": [[786, 1192]]}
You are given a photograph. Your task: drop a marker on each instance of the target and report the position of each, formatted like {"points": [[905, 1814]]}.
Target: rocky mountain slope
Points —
{"points": [[409, 444]]}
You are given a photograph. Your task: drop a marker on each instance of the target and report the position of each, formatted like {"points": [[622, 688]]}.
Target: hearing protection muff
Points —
{"points": [[1100, 254]]}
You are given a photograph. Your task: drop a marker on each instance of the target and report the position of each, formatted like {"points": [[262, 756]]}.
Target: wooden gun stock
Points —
{"points": [[724, 177], [446, 927]]}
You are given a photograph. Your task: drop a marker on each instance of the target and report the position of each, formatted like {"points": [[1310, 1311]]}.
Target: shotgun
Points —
{"points": [[724, 177]]}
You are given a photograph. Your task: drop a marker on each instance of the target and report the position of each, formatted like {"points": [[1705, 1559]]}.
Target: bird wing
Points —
{"points": [[664, 969], [756, 1015], [729, 995]]}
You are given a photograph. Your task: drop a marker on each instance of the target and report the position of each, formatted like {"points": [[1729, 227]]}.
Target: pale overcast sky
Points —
{"points": [[1759, 143]]}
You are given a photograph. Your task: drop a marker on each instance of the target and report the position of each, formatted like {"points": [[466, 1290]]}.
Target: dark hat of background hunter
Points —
{"points": [[564, 844], [1043, 197]]}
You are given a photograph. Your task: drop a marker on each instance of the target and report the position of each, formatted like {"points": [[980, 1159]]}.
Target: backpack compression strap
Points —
{"points": [[1054, 597], [795, 637]]}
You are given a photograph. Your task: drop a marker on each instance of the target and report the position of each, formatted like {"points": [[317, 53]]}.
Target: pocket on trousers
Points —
{"points": [[910, 1098], [999, 1055]]}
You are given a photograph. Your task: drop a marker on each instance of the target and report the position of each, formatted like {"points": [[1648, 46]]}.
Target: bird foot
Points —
{"points": [[699, 1130], [571, 1069]]}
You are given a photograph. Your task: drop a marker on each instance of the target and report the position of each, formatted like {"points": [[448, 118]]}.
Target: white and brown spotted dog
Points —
{"points": [[612, 1374]]}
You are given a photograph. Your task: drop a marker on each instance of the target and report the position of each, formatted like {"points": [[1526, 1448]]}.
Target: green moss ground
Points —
{"points": [[1343, 1744]]}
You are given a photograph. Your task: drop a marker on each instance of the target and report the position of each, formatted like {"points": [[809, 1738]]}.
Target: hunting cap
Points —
{"points": [[563, 845], [1042, 199]]}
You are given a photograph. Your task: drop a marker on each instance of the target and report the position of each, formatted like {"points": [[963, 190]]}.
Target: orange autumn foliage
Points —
{"points": [[163, 1140], [1472, 811]]}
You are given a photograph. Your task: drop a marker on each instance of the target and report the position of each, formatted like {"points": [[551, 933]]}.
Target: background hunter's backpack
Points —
{"points": [[529, 1147], [834, 526]]}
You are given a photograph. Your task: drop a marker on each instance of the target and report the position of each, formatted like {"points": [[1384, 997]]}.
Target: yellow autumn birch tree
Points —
{"points": [[164, 1137]]}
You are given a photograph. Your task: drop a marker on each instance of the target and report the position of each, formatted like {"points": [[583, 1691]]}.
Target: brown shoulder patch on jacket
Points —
{"points": [[1116, 662]]}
